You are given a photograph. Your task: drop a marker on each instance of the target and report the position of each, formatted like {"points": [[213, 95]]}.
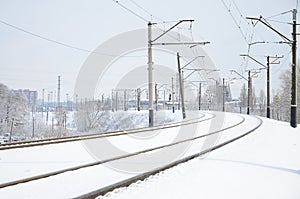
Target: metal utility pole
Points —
{"points": [[268, 87], [43, 102], [223, 95], [249, 80], [249, 92], [47, 109], [293, 118], [164, 100], [173, 96], [156, 97], [58, 92], [181, 87], [33, 126], [150, 62], [268, 77], [199, 98], [294, 73], [138, 99], [150, 74], [268, 82], [11, 129]]}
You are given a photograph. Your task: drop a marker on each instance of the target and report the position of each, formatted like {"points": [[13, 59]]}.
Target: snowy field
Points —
{"points": [[263, 164]]}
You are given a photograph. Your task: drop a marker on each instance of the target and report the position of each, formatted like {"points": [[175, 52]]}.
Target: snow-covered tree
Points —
{"points": [[88, 115], [285, 96], [13, 109], [253, 100], [261, 100], [276, 107], [243, 96]]}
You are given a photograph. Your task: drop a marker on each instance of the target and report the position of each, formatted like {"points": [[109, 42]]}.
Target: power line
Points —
{"points": [[277, 21], [131, 11], [144, 19], [235, 21], [279, 14], [60, 43], [146, 11]]}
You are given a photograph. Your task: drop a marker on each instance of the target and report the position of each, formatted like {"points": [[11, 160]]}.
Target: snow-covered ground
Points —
{"points": [[263, 164]]}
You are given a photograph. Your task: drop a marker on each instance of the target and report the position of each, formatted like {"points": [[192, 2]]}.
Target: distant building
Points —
{"points": [[30, 96]]}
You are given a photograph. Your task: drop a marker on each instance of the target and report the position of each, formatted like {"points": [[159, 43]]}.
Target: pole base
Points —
{"points": [[151, 118], [294, 116], [268, 112]]}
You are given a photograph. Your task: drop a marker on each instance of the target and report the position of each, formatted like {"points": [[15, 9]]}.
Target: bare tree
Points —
{"points": [[88, 116], [285, 97], [262, 102], [243, 96]]}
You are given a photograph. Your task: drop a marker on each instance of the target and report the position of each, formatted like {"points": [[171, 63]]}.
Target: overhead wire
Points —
{"points": [[248, 37], [153, 16], [131, 11], [60, 43], [143, 18], [270, 18], [235, 21], [146, 11], [279, 14]]}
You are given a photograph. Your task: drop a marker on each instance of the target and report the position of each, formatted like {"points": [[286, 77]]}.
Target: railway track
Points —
{"points": [[144, 175], [33, 143]]}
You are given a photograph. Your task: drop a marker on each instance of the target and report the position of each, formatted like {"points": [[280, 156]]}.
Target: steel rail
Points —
{"points": [[98, 135], [24, 180], [141, 177]]}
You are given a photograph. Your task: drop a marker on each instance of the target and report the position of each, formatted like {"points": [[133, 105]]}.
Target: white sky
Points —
{"points": [[30, 62]]}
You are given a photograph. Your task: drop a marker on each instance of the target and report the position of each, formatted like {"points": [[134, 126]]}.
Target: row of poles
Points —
{"points": [[293, 41], [152, 42], [293, 115]]}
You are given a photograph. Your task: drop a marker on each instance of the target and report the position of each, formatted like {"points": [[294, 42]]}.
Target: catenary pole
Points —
{"points": [[294, 74], [150, 74], [268, 86], [181, 87]]}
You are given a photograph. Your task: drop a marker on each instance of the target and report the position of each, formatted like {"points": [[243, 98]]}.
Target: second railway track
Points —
{"points": [[42, 142], [45, 175]]}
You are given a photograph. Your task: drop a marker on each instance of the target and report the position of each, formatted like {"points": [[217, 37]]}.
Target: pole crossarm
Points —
{"points": [[151, 42], [269, 26], [234, 71], [257, 42], [181, 21], [198, 69], [192, 61], [182, 43], [246, 55], [275, 59], [255, 73]]}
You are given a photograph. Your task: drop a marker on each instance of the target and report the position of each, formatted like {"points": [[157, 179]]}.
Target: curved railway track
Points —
{"points": [[127, 182], [141, 176], [42, 142]]}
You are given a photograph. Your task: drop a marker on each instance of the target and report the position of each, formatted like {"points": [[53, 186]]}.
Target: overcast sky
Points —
{"points": [[31, 62]]}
